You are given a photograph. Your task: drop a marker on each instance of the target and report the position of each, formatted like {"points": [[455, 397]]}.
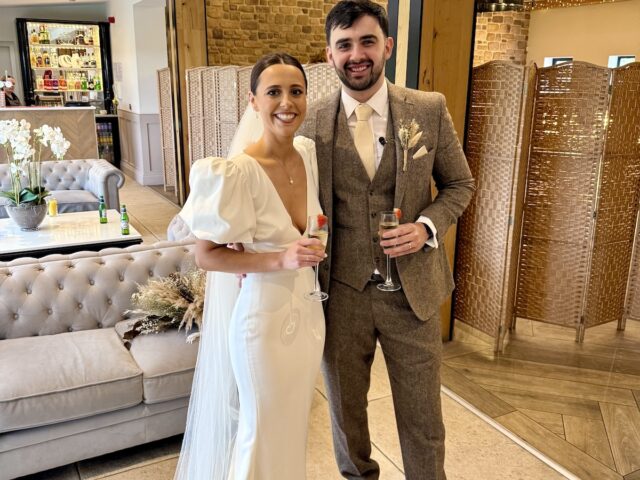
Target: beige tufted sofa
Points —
{"points": [[75, 184], [69, 389]]}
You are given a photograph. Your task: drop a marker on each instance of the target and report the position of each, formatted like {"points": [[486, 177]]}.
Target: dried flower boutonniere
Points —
{"points": [[408, 135]]}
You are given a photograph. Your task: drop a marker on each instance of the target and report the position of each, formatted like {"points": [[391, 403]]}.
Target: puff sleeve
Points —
{"points": [[220, 205]]}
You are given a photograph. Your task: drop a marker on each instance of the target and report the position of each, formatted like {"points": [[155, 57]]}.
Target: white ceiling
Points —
{"points": [[34, 3]]}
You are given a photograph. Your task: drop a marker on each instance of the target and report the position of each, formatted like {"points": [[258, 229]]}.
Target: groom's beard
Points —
{"points": [[360, 84]]}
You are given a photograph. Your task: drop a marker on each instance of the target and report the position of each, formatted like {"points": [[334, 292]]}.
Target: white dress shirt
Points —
{"points": [[379, 102]]}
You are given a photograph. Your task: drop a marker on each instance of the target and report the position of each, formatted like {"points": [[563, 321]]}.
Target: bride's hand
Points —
{"points": [[306, 252]]}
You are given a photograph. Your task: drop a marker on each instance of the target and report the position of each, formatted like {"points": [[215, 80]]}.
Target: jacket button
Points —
{"points": [[373, 214]]}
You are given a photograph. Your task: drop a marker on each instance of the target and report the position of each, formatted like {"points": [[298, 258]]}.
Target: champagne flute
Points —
{"points": [[388, 221], [317, 227]]}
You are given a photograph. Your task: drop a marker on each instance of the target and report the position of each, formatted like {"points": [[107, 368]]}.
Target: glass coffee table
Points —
{"points": [[64, 233]]}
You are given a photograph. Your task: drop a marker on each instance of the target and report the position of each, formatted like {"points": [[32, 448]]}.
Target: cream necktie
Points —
{"points": [[363, 139]]}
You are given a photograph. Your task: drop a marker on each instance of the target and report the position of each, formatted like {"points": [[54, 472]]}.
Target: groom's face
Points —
{"points": [[358, 54]]}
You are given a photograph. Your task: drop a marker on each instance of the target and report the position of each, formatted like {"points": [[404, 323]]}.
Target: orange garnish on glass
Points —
{"points": [[398, 213]]}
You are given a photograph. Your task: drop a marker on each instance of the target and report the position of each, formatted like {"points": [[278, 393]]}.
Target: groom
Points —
{"points": [[362, 172]]}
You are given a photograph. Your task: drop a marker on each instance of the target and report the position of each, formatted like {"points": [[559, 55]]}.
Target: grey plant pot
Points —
{"points": [[27, 217]]}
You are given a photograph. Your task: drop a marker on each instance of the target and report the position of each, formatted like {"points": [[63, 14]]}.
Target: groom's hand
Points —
{"points": [[407, 238]]}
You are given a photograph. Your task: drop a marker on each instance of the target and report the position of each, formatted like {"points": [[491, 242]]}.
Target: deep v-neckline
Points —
{"points": [[275, 190]]}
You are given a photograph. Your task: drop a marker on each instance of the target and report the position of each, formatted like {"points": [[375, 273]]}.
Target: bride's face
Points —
{"points": [[280, 99]]}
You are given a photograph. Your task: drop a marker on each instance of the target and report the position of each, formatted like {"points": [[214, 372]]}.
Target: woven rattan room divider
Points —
{"points": [[489, 230], [217, 98], [580, 204], [169, 162]]}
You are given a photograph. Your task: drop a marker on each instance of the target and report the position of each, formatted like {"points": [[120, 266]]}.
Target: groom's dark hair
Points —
{"points": [[277, 58], [346, 12]]}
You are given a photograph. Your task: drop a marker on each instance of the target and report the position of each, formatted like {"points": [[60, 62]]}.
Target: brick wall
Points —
{"points": [[240, 31], [501, 36]]}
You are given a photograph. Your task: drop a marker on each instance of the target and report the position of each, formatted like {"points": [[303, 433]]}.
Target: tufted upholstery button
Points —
{"points": [[151, 273], [92, 282], [121, 277], [70, 329], [99, 325], [9, 274], [80, 306], [60, 286], [28, 291], [109, 301], [49, 311], [15, 316]]}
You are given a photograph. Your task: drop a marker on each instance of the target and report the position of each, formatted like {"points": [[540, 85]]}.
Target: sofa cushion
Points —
{"points": [[75, 201], [167, 362], [55, 378]]}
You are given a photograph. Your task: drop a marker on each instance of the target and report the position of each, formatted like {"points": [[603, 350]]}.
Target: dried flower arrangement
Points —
{"points": [[175, 301]]}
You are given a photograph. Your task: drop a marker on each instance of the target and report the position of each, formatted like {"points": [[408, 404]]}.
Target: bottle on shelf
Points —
{"points": [[78, 82], [33, 39], [46, 60], [47, 80], [32, 58], [62, 81], [39, 83], [42, 35], [83, 82], [55, 83], [39, 61], [102, 210], [90, 84], [54, 58], [97, 84], [124, 220]]}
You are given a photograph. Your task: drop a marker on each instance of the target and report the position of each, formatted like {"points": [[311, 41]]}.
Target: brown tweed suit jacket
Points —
{"points": [[425, 276]]}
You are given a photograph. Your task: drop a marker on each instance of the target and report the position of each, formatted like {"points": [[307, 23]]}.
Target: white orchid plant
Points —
{"points": [[24, 159]]}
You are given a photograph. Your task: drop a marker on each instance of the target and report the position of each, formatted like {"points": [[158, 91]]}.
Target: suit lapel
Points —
{"points": [[325, 131], [400, 109]]}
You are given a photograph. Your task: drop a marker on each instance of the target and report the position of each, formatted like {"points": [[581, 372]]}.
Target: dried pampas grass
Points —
{"points": [[175, 301]]}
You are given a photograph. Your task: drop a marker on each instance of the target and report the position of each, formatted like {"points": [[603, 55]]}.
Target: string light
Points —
{"points": [[548, 4]]}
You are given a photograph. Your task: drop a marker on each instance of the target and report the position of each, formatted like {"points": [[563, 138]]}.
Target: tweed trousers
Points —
{"points": [[413, 352]]}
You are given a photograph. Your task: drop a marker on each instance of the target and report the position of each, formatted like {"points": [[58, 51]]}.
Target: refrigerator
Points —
{"points": [[65, 62]]}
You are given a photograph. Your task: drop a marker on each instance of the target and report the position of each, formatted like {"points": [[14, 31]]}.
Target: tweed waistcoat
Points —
{"points": [[357, 201]]}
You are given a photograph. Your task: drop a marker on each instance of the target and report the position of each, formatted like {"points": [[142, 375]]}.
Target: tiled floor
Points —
{"points": [[475, 449], [578, 404]]}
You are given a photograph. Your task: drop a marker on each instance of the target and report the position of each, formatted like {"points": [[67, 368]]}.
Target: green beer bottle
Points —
{"points": [[102, 210], [124, 220]]}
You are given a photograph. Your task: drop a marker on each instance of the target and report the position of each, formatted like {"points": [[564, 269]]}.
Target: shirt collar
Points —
{"points": [[378, 102]]}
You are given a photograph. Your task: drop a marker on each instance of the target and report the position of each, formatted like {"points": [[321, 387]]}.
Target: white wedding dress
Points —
{"points": [[273, 336]]}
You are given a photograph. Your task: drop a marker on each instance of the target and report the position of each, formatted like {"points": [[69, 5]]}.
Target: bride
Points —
{"points": [[261, 345]]}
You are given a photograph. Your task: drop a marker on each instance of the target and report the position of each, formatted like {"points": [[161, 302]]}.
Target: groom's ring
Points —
{"points": [[410, 245]]}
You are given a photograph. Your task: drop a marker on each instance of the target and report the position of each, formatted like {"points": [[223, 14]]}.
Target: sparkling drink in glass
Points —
{"points": [[388, 221], [317, 227]]}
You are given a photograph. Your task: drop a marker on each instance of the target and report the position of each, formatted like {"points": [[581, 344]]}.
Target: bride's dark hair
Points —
{"points": [[278, 58]]}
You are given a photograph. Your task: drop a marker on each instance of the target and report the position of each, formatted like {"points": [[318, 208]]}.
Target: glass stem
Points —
{"points": [[388, 280], [317, 288]]}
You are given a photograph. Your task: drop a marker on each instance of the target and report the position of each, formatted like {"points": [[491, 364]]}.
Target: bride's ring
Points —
{"points": [[410, 245]]}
